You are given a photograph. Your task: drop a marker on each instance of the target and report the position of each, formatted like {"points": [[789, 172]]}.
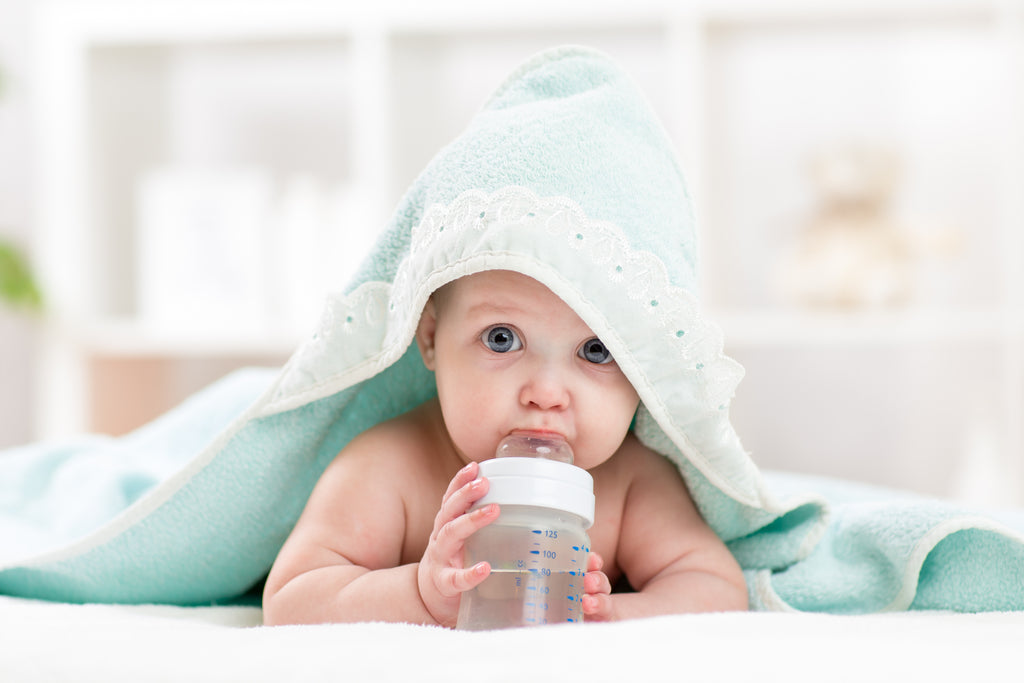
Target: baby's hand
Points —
{"points": [[441, 577], [597, 601]]}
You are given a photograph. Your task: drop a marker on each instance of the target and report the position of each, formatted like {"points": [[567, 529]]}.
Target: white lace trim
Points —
{"points": [[450, 231], [346, 348]]}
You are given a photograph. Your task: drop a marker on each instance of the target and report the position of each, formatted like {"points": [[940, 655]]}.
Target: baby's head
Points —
{"points": [[509, 355]]}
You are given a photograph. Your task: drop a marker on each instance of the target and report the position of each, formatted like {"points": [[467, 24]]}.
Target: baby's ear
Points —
{"points": [[426, 332]]}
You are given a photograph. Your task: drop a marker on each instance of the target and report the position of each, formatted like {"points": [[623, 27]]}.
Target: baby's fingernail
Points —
{"points": [[486, 510]]}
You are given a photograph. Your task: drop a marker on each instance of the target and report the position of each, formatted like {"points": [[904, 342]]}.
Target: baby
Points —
{"points": [[383, 533]]}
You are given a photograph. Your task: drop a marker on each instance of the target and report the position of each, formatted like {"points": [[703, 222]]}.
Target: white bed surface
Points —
{"points": [[42, 641]]}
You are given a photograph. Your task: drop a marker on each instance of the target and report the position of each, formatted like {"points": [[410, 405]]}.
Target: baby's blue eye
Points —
{"points": [[595, 351], [501, 339]]}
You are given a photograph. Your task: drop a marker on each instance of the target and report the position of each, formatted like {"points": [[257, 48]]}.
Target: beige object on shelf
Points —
{"points": [[853, 253]]}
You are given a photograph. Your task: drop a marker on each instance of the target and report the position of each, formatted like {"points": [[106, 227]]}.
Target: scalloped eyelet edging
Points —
{"points": [[644, 319]]}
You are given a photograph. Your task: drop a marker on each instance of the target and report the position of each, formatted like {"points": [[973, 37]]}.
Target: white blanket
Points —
{"points": [[42, 641]]}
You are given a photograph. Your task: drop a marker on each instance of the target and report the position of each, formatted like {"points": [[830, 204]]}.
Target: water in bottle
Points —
{"points": [[538, 546]]}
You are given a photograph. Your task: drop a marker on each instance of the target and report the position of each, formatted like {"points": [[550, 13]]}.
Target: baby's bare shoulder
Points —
{"points": [[402, 462], [388, 469], [645, 482], [406, 442], [636, 473], [634, 463]]}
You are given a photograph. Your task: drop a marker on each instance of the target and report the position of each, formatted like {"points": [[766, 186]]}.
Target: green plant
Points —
{"points": [[17, 286]]}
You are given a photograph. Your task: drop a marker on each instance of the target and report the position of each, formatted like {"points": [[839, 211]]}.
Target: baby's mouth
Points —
{"points": [[538, 434]]}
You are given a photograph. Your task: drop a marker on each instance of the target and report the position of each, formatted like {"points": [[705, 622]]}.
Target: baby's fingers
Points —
{"points": [[452, 535], [597, 607], [595, 583], [457, 581], [458, 500], [462, 477], [597, 601]]}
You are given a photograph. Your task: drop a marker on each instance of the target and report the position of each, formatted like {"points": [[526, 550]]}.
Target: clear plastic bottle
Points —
{"points": [[538, 546]]}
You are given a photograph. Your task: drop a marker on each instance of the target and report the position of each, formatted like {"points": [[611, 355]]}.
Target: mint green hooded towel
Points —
{"points": [[565, 175]]}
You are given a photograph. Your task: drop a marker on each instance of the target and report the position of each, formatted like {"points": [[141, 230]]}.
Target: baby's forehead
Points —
{"points": [[491, 282]]}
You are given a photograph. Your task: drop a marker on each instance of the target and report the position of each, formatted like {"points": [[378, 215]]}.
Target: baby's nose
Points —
{"points": [[546, 388]]}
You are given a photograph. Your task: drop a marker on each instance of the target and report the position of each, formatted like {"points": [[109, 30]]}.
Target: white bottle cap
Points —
{"points": [[541, 483]]}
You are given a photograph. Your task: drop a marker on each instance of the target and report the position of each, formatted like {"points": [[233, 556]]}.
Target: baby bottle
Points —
{"points": [[538, 546]]}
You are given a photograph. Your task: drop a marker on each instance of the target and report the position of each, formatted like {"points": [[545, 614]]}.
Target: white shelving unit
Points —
{"points": [[359, 99]]}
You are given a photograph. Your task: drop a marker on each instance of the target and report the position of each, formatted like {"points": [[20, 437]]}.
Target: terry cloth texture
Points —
{"points": [[565, 175]]}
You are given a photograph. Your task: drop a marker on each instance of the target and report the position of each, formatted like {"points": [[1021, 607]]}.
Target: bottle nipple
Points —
{"points": [[535, 446]]}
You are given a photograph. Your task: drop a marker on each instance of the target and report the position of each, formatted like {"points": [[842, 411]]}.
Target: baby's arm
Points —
{"points": [[669, 554], [344, 560]]}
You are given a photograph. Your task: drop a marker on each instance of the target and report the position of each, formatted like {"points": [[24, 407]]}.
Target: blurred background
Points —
{"points": [[186, 179]]}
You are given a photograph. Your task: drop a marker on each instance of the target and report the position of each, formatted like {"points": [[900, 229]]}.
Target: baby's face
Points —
{"points": [[511, 356]]}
